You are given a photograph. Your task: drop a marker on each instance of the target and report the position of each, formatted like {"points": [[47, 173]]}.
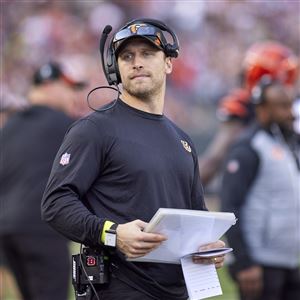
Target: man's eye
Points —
{"points": [[148, 53], [127, 56]]}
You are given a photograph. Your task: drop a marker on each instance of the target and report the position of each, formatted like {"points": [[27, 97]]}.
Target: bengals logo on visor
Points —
{"points": [[134, 28]]}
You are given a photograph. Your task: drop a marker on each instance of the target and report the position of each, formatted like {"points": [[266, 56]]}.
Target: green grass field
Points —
{"points": [[228, 286]]}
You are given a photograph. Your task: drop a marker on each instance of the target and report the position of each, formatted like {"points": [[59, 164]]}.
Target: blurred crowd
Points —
{"points": [[213, 38]]}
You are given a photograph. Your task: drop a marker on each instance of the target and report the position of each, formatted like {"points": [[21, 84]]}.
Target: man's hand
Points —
{"points": [[251, 281], [133, 242], [217, 260]]}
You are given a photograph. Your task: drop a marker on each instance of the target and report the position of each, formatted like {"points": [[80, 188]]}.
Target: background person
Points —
{"points": [[117, 166], [235, 110], [261, 186], [36, 255]]}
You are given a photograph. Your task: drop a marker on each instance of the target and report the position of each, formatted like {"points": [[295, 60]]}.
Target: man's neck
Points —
{"points": [[153, 105]]}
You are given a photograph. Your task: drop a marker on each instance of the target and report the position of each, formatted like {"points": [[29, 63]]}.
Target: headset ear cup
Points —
{"points": [[171, 50], [112, 68]]}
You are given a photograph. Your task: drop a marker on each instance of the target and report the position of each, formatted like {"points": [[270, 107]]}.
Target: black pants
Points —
{"points": [[40, 265], [279, 284]]}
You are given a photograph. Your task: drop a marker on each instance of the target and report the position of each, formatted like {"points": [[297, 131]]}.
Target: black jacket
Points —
{"points": [[29, 142]]}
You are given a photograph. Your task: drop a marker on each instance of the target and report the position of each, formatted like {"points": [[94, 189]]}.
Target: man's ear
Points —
{"points": [[169, 65]]}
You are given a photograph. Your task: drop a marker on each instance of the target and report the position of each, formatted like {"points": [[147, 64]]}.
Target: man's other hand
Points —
{"points": [[217, 260]]}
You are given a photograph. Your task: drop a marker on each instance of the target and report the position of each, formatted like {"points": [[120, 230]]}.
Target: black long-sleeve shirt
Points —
{"points": [[121, 164]]}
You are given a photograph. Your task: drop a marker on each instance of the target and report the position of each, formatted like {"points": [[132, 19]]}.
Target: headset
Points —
{"points": [[110, 66], [258, 93]]}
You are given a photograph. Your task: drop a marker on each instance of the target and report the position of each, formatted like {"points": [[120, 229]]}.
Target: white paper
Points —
{"points": [[201, 280], [186, 231]]}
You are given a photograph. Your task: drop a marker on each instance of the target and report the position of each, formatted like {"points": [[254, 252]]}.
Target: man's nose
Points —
{"points": [[138, 63]]}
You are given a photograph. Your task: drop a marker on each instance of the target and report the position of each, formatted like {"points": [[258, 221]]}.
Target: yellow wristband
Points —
{"points": [[106, 226]]}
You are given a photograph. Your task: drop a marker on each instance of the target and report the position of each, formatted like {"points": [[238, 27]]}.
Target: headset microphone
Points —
{"points": [[107, 29]]}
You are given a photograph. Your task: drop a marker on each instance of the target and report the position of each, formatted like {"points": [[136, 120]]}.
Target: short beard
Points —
{"points": [[143, 94]]}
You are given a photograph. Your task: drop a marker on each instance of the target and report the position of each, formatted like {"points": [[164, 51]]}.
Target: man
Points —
{"points": [[37, 256], [117, 166], [261, 186], [235, 110]]}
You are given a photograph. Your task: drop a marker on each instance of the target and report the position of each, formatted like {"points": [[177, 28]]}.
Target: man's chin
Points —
{"points": [[141, 92]]}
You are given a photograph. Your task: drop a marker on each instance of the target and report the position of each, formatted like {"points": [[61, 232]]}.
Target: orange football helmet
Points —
{"points": [[272, 58]]}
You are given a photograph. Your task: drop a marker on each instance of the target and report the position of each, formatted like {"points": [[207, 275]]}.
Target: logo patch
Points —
{"points": [[277, 153], [186, 146], [233, 166], [134, 28], [65, 159]]}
